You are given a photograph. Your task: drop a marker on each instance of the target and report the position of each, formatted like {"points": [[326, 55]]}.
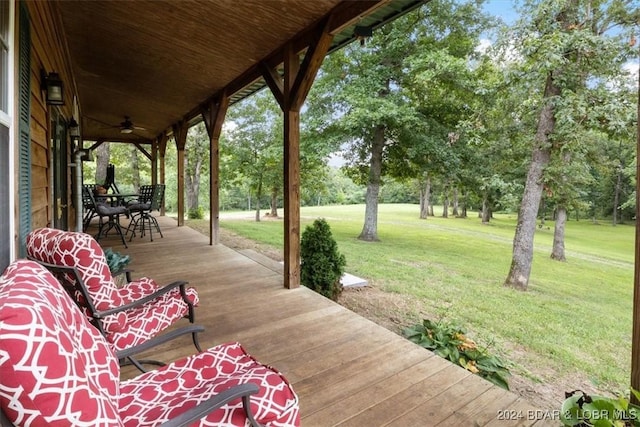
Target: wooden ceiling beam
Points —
{"points": [[215, 114], [343, 15], [143, 150], [162, 144], [274, 82], [96, 144], [306, 75]]}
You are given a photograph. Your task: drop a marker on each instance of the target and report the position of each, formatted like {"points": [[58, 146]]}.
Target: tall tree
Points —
{"points": [[135, 168], [253, 144], [567, 41], [367, 93], [196, 164], [102, 157]]}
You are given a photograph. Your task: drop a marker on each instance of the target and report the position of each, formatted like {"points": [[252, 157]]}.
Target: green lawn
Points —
{"points": [[575, 320]]}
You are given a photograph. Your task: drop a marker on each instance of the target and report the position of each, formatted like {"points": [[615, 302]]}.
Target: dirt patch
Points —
{"points": [[544, 388], [237, 242]]}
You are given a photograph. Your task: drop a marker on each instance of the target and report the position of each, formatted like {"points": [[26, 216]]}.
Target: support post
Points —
{"points": [[162, 151], [213, 116], [180, 136], [635, 335], [291, 91], [154, 162], [291, 174]]}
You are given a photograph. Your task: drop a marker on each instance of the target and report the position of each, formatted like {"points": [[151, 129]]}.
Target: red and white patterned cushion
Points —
{"points": [[124, 329], [56, 369], [167, 392]]}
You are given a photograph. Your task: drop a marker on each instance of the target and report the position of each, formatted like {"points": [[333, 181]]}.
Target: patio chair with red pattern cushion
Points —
{"points": [[56, 369], [128, 315]]}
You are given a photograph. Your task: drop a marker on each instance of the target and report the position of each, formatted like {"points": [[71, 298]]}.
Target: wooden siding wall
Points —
{"points": [[48, 53]]}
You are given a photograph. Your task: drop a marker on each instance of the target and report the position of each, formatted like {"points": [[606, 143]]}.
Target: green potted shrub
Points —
{"points": [[322, 265]]}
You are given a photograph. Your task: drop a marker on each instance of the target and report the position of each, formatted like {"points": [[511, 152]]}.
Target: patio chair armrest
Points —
{"points": [[180, 283], [203, 409], [157, 340]]}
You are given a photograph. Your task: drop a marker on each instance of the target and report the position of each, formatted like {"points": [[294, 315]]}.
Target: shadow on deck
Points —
{"points": [[347, 370]]}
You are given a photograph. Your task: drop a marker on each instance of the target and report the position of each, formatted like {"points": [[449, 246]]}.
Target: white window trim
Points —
{"points": [[9, 119]]}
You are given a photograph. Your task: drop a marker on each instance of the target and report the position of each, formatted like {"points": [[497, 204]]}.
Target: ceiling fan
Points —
{"points": [[127, 126]]}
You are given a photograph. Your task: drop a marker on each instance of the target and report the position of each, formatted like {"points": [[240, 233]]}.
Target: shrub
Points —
{"points": [[582, 410], [322, 265], [197, 213], [450, 342]]}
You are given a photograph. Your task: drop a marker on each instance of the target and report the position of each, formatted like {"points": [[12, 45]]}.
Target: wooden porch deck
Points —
{"points": [[346, 370]]}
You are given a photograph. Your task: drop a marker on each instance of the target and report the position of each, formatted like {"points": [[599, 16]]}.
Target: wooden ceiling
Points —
{"points": [[157, 61]]}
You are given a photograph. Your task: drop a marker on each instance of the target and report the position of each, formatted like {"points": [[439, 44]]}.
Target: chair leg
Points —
{"points": [[196, 341], [155, 223], [113, 222], [116, 224], [138, 363], [148, 222], [101, 225]]}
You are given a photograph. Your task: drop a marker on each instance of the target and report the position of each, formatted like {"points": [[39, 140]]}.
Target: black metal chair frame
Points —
{"points": [[141, 217], [112, 213], [72, 282], [88, 206]]}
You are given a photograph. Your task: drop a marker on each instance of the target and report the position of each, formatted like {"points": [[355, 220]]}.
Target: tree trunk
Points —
{"points": [[486, 211], [274, 202], [557, 252], [445, 202], [455, 212], [425, 191], [463, 211], [135, 169], [192, 182], [522, 257], [370, 229], [560, 215], [102, 161], [616, 196], [258, 197]]}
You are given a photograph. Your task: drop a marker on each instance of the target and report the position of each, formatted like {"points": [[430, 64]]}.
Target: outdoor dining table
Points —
{"points": [[118, 199]]}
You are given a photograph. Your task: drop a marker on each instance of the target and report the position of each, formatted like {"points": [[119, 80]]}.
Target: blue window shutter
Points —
{"points": [[24, 80]]}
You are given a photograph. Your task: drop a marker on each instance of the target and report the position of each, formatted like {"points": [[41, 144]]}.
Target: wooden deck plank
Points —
{"points": [[520, 413], [368, 398], [439, 407], [480, 410], [346, 370], [411, 397]]}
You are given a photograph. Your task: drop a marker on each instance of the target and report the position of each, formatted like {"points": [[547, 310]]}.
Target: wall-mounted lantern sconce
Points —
{"points": [[52, 84], [362, 33], [74, 129]]}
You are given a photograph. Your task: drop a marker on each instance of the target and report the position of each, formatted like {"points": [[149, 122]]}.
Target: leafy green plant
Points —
{"points": [[450, 342], [322, 265], [116, 261], [582, 410], [197, 213]]}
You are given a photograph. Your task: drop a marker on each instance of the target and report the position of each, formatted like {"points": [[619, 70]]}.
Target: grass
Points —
{"points": [[575, 319]]}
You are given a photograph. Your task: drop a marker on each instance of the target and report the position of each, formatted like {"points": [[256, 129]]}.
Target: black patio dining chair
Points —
{"points": [[88, 206], [109, 216], [141, 211]]}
